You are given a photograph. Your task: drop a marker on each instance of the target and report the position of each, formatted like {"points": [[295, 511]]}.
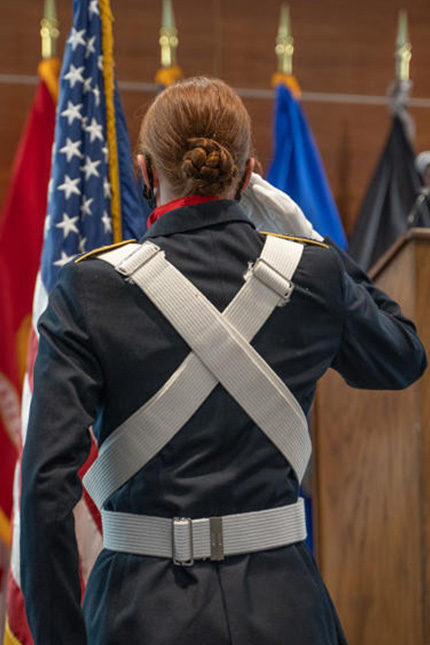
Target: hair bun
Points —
{"points": [[198, 135], [208, 167]]}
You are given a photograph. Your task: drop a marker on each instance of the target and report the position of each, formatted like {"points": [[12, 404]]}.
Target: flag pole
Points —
{"points": [[285, 42], [49, 67], [403, 52], [169, 71], [49, 30], [285, 50], [400, 89], [403, 57]]}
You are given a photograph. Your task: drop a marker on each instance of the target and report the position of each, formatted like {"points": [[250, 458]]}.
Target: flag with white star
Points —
{"points": [[79, 214], [78, 220]]}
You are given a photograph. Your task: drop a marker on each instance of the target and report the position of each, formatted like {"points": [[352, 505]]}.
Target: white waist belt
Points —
{"points": [[185, 540]]}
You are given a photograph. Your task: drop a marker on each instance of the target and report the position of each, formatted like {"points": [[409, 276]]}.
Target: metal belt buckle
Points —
{"points": [[217, 539], [181, 521]]}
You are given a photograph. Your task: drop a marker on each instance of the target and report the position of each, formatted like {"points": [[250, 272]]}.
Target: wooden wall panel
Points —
{"points": [[340, 47]]}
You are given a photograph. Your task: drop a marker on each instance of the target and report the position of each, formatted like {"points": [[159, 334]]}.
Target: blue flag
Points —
{"points": [[297, 168], [79, 206]]}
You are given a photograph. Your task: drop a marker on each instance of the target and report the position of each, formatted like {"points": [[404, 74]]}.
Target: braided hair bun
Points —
{"points": [[208, 167], [197, 132]]}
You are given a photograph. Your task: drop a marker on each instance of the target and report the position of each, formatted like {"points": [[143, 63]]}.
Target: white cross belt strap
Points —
{"points": [[141, 436], [220, 353], [185, 540]]}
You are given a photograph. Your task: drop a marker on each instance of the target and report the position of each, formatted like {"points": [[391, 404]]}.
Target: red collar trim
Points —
{"points": [[190, 200]]}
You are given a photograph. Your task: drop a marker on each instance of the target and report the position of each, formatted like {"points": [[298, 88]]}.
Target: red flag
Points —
{"points": [[21, 236], [90, 53]]}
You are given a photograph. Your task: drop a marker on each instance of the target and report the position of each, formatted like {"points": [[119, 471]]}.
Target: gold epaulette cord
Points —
{"points": [[303, 240], [103, 249]]}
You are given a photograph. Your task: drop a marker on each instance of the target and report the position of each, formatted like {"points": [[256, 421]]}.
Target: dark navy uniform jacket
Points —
{"points": [[104, 351]]}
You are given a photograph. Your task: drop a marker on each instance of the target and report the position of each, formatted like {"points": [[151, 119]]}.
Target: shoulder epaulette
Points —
{"points": [[103, 249], [303, 240]]}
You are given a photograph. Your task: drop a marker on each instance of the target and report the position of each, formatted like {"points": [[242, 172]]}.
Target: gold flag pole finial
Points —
{"points": [[169, 71], [285, 43], [284, 50], [403, 48], [400, 90], [49, 30]]}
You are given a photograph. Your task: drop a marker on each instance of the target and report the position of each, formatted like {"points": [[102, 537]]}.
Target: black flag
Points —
{"points": [[393, 194]]}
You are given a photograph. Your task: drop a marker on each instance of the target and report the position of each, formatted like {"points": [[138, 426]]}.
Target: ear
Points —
{"points": [[250, 164], [143, 165]]}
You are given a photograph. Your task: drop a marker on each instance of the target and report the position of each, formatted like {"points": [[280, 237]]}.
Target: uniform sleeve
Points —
{"points": [[379, 348], [67, 384]]}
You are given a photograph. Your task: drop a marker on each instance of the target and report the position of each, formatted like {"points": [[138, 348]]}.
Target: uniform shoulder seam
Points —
{"points": [[103, 249], [302, 240]]}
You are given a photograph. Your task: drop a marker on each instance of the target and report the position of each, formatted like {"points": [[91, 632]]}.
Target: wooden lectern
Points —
{"points": [[372, 461]]}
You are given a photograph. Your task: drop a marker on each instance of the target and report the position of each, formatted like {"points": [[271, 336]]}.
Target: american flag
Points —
{"points": [[79, 219], [79, 195]]}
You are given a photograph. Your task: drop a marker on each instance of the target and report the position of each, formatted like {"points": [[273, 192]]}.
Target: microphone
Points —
{"points": [[414, 213]]}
